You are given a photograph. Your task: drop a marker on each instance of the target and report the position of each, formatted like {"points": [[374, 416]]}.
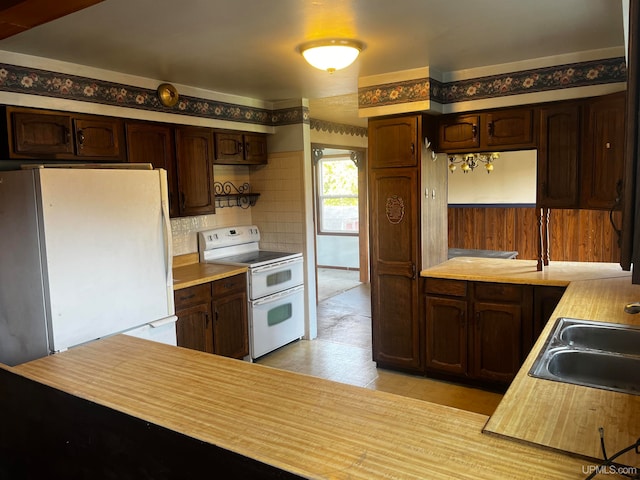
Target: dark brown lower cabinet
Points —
{"points": [[545, 300], [482, 331], [230, 324], [497, 341], [447, 335], [193, 309], [212, 317]]}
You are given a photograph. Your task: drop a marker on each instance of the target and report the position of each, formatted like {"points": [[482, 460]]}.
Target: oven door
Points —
{"points": [[276, 320], [275, 277]]}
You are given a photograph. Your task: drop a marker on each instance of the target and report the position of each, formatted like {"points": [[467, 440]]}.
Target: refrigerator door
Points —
{"points": [[23, 327], [106, 251]]}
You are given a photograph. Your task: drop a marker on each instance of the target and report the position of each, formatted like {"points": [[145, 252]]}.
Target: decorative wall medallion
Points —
{"points": [[168, 95], [394, 209]]}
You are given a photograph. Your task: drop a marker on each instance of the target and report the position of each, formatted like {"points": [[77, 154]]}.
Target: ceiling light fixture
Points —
{"points": [[472, 160], [332, 54]]}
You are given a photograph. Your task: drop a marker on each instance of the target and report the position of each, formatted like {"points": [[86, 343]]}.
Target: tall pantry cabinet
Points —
{"points": [[408, 232]]}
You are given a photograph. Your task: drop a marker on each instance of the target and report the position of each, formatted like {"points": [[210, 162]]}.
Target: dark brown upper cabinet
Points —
{"points": [[237, 148], [394, 142], [558, 156], [581, 153], [154, 143], [194, 160], [496, 130], [45, 134]]}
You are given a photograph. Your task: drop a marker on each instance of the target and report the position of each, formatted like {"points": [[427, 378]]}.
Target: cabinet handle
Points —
{"points": [[216, 315], [413, 271], [206, 319], [413, 148], [240, 147], [67, 135], [188, 297], [246, 148], [474, 131], [80, 135], [491, 129]]}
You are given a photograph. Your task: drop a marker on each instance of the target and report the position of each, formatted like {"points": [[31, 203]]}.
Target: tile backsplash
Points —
{"points": [[279, 211]]}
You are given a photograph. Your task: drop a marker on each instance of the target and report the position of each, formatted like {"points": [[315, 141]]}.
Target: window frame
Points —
{"points": [[319, 196]]}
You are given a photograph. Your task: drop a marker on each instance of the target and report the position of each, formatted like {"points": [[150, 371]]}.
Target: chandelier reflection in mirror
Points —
{"points": [[470, 161]]}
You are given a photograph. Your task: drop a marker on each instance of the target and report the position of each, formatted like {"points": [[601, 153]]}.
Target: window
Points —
{"points": [[337, 195]]}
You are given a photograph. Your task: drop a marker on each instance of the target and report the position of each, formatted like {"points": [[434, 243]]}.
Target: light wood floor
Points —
{"points": [[342, 352]]}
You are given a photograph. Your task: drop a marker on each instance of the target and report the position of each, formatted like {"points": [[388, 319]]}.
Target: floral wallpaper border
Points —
{"points": [[595, 72], [34, 81], [339, 128]]}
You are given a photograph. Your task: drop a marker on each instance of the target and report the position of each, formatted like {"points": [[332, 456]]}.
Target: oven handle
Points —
{"points": [[276, 296], [274, 265]]}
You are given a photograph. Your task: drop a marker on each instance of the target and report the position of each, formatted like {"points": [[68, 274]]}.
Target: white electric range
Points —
{"points": [[275, 284]]}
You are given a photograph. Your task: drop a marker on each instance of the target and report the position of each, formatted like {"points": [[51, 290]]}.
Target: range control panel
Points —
{"points": [[227, 237]]}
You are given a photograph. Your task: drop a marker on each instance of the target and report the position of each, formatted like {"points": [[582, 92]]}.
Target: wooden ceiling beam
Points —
{"points": [[17, 16]]}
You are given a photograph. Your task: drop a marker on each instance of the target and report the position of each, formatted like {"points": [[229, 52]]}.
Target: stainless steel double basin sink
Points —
{"points": [[592, 354]]}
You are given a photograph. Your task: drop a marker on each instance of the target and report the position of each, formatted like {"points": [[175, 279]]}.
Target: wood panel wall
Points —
{"points": [[574, 235]]}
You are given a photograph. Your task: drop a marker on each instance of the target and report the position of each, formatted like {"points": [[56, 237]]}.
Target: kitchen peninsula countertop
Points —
{"points": [[317, 428], [522, 271], [187, 271], [307, 426], [555, 414]]}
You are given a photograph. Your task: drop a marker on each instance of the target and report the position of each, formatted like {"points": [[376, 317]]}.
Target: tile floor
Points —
{"points": [[333, 281], [342, 352]]}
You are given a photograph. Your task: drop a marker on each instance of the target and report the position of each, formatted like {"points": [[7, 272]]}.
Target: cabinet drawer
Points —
{"points": [[226, 286], [195, 295], [502, 292], [441, 286]]}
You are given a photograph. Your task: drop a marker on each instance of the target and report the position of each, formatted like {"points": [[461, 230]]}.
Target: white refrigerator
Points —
{"points": [[84, 253]]}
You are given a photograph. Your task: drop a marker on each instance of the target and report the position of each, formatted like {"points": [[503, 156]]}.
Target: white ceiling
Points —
{"points": [[248, 47]]}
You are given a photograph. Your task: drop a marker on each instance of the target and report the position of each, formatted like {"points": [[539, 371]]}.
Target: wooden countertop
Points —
{"points": [[564, 416], [305, 425], [522, 271], [187, 272]]}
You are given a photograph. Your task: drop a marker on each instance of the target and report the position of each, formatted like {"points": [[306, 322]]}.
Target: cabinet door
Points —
{"points": [[230, 311], [194, 159], [255, 149], [393, 142], [394, 256], [41, 134], [99, 137], [231, 329], [459, 132], [153, 143], [604, 152], [510, 128], [446, 332], [229, 148], [194, 328], [558, 156], [497, 333]]}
